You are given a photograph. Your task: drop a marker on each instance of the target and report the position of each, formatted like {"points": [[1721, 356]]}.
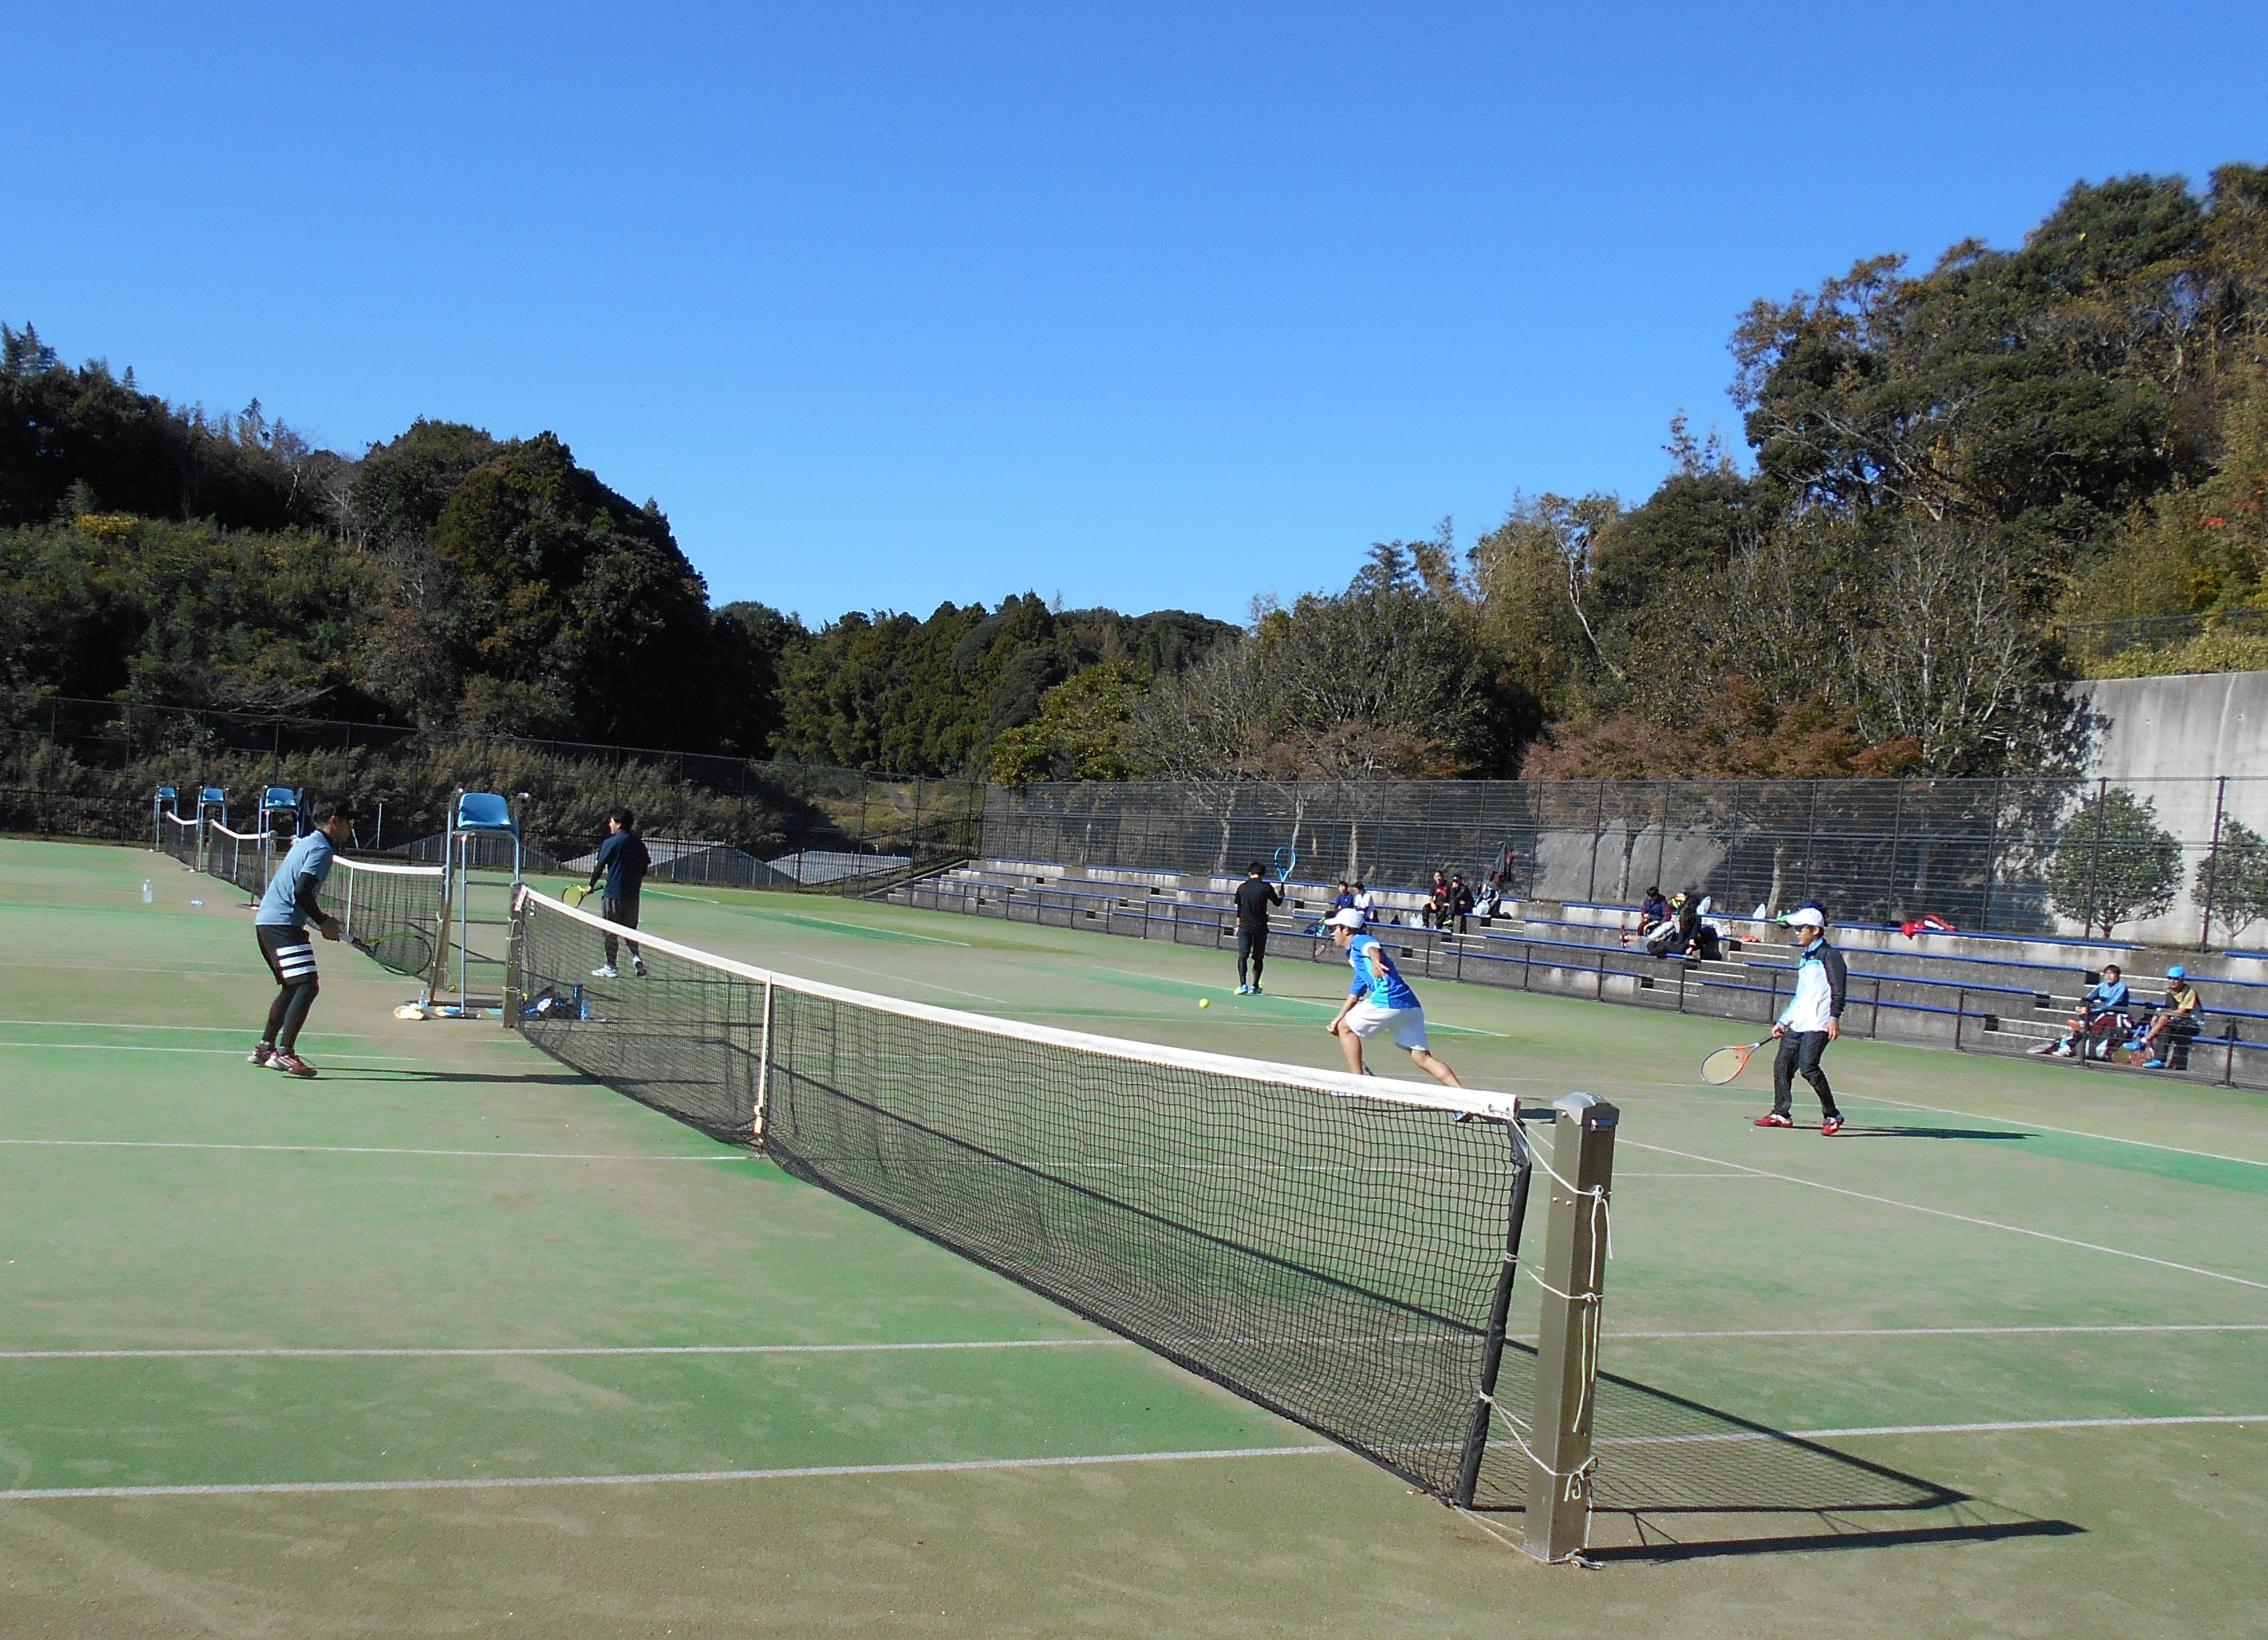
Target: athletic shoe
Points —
{"points": [[607, 972], [290, 1064], [1830, 1127], [2153, 1065], [1256, 990], [2046, 1048], [637, 966], [1773, 1119], [2063, 1051], [261, 1053]]}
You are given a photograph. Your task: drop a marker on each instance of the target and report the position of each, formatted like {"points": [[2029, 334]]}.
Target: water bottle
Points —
{"points": [[146, 895]]}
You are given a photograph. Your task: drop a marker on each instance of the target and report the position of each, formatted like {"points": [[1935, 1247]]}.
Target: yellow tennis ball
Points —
{"points": [[1205, 1002]]}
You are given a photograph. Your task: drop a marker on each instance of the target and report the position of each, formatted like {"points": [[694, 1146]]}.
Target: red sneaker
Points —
{"points": [[291, 1064], [262, 1053], [1773, 1119], [1830, 1127]]}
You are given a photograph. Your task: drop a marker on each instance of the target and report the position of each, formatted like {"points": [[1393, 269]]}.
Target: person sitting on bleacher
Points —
{"points": [[2101, 1019], [2166, 1044], [1435, 912], [1343, 901], [1652, 909], [1461, 902]]}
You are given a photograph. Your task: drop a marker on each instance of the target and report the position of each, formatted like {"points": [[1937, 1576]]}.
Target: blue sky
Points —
{"points": [[1154, 306]]}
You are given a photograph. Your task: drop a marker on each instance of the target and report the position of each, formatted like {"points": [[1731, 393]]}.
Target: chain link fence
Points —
{"points": [[77, 768], [2033, 855]]}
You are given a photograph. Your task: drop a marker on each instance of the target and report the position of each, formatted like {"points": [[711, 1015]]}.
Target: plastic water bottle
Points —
{"points": [[146, 895]]}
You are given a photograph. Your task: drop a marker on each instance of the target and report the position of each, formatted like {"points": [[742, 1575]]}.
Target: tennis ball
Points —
{"points": [[1205, 1002]]}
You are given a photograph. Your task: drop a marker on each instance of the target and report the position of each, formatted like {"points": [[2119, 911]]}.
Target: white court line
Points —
{"points": [[416, 1352], [1733, 1438], [2074, 1133], [1963, 1218], [817, 1472], [806, 919], [382, 1150], [884, 974], [137, 1048], [1620, 1176], [1958, 1331], [122, 1025]]}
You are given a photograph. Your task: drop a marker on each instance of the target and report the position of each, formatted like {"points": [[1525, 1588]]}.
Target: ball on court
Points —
{"points": [[1205, 1002]]}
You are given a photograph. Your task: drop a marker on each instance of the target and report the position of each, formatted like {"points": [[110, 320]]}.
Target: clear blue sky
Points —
{"points": [[1147, 305]]}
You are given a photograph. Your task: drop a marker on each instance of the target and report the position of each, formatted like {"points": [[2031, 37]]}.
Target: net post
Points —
{"points": [[1558, 1449], [764, 1071], [514, 928]]}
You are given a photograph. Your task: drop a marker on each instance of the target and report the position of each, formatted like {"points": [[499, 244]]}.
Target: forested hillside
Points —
{"points": [[1962, 486]]}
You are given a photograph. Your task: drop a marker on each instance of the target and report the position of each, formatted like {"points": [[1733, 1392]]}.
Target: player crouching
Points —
{"points": [[1381, 1000]]}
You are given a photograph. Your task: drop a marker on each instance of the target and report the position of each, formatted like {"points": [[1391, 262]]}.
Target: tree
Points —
{"points": [[2232, 881], [2113, 864], [1083, 731], [1947, 661]]}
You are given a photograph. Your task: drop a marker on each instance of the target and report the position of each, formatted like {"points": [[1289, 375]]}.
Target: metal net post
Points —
{"points": [[1558, 1448]]}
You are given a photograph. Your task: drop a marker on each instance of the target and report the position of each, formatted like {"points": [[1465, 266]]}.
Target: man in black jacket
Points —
{"points": [[622, 861], [1253, 895]]}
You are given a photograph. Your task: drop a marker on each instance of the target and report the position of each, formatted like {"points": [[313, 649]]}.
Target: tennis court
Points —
{"points": [[454, 1339]]}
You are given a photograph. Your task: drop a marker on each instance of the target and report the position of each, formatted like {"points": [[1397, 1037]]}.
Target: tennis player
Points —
{"points": [[1381, 1000], [623, 863], [281, 927], [1812, 1018], [1253, 895]]}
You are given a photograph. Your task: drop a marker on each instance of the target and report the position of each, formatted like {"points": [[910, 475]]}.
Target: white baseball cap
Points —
{"points": [[1805, 917], [1348, 918]]}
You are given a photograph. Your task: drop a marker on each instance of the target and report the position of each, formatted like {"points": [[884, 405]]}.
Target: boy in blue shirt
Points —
{"points": [[2106, 1001], [1381, 1000], [281, 927], [623, 862]]}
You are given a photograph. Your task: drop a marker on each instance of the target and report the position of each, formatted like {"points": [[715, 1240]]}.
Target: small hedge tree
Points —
{"points": [[2114, 863], [2232, 882]]}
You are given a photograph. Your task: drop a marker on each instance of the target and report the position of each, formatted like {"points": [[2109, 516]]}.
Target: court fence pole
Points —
{"points": [[1558, 1448]]}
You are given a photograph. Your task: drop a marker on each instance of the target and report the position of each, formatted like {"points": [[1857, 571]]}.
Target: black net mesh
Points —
{"points": [[180, 838], [239, 858], [1330, 1256], [393, 914]]}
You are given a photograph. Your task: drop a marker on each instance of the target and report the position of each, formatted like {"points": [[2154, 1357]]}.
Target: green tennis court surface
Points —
{"points": [[283, 1338]]}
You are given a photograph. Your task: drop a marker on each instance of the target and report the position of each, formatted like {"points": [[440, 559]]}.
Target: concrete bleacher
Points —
{"points": [[1974, 993]]}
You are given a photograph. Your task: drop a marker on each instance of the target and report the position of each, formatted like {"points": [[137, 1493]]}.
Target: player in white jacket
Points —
{"points": [[1812, 1018]]}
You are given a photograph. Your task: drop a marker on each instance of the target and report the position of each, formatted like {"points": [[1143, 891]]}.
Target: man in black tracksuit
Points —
{"points": [[1253, 895], [622, 861]]}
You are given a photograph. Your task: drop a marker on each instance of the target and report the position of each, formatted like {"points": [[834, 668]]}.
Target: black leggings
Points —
{"points": [[624, 912], [289, 953], [1251, 947], [1799, 1051]]}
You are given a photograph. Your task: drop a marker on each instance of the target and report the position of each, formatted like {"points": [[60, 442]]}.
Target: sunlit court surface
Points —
{"points": [[453, 1340]]}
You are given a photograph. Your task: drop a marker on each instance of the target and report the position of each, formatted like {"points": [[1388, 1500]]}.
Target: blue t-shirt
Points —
{"points": [[1376, 980], [2107, 995], [290, 897]]}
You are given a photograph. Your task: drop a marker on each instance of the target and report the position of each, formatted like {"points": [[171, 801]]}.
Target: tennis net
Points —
{"points": [[394, 914], [1333, 1247], [183, 838], [239, 856]]}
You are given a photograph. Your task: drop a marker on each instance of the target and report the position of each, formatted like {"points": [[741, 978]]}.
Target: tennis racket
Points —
{"points": [[403, 952], [578, 894], [1727, 1062], [1288, 861]]}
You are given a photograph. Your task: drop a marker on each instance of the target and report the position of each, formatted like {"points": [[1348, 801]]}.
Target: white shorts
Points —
{"points": [[1406, 1025]]}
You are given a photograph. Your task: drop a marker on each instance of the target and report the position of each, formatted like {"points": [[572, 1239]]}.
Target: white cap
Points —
{"points": [[1348, 918], [1805, 917]]}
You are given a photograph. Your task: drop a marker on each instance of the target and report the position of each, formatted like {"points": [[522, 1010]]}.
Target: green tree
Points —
{"points": [[1083, 732], [2114, 863], [2232, 881]]}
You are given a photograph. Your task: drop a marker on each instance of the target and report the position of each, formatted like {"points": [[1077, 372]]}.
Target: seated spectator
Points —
{"points": [[2101, 1019], [1343, 901], [1461, 902], [2165, 1045], [1435, 912], [1652, 909], [1364, 900]]}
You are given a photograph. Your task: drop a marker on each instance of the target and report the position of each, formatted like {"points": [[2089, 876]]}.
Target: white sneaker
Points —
{"points": [[609, 972], [637, 966]]}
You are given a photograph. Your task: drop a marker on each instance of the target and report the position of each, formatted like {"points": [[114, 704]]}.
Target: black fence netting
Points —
{"points": [[2011, 854]]}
